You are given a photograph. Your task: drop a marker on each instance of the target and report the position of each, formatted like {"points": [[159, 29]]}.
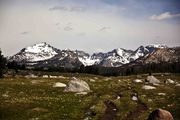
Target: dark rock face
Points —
{"points": [[160, 114]]}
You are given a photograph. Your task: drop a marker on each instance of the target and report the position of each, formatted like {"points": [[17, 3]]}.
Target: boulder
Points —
{"points": [[160, 114], [77, 85], [151, 79]]}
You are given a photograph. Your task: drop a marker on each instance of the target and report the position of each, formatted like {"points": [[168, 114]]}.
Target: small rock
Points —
{"points": [[82, 93], [21, 92], [149, 100], [92, 107], [58, 84], [134, 98], [34, 118], [160, 114], [31, 76], [139, 76], [170, 81], [5, 95], [45, 76], [143, 95], [161, 93], [178, 85], [170, 105], [156, 84], [22, 83], [34, 81], [137, 81], [148, 87], [107, 79], [92, 80], [61, 77], [129, 88], [53, 76], [118, 97], [87, 118]]}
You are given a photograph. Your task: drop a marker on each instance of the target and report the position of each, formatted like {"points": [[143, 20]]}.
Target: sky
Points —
{"points": [[88, 25]]}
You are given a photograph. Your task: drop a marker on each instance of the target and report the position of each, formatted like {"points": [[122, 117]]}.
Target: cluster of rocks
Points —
{"points": [[151, 80], [158, 114], [53, 76], [44, 76]]}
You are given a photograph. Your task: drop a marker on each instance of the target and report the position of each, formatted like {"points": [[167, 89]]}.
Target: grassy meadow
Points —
{"points": [[26, 98]]}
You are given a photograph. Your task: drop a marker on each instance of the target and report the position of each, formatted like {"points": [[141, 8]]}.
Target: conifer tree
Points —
{"points": [[2, 64]]}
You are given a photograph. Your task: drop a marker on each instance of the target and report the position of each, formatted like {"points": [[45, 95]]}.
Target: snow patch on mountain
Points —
{"points": [[87, 61]]}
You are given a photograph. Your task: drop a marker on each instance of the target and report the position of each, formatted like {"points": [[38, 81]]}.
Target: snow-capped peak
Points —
{"points": [[39, 48], [36, 52]]}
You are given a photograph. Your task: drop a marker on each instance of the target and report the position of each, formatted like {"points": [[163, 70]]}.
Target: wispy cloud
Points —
{"points": [[164, 16], [24, 33], [68, 28], [67, 8], [104, 28]]}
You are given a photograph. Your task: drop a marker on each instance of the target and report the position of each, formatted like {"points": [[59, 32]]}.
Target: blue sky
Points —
{"points": [[89, 25]]}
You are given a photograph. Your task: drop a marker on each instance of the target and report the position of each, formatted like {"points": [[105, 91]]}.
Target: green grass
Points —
{"points": [[36, 98]]}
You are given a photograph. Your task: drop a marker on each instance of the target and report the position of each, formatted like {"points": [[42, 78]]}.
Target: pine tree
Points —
{"points": [[2, 64]]}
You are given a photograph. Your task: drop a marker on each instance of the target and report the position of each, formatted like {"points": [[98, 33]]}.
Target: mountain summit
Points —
{"points": [[36, 52]]}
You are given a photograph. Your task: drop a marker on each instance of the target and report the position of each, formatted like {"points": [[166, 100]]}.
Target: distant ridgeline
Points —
{"points": [[152, 58]]}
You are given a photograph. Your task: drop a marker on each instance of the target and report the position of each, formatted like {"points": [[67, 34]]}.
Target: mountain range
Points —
{"points": [[45, 55]]}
